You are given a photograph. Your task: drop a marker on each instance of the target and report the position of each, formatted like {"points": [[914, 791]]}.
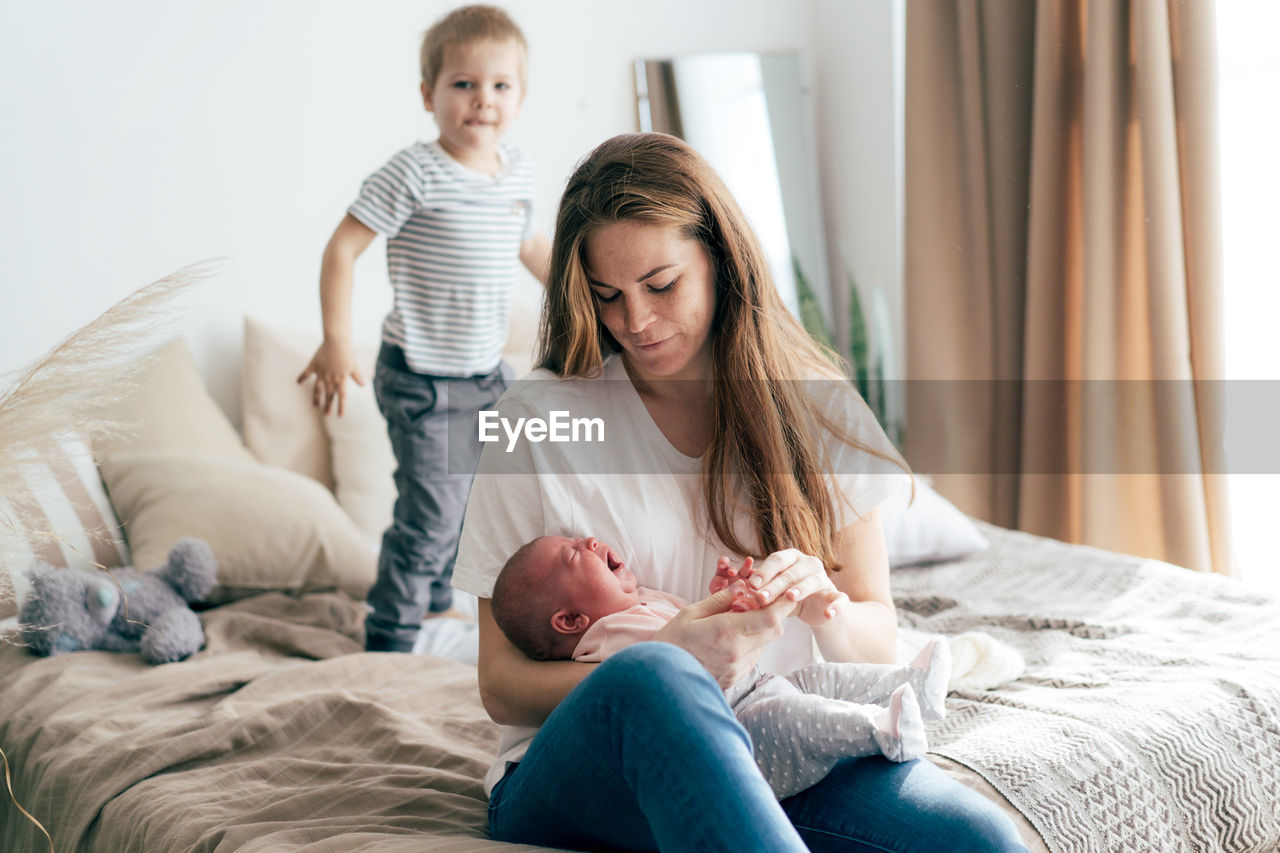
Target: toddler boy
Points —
{"points": [[457, 215]]}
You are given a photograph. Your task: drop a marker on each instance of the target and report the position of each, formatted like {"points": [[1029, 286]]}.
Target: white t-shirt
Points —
{"points": [[632, 490]]}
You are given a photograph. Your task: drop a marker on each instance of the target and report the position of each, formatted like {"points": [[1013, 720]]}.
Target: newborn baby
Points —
{"points": [[559, 598]]}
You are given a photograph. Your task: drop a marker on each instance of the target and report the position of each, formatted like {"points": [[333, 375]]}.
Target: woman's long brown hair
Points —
{"points": [[767, 454]]}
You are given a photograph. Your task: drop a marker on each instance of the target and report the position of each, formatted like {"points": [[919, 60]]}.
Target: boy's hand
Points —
{"points": [[333, 362]]}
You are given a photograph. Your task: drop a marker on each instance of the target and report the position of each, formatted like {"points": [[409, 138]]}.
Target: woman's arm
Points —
{"points": [[334, 359], [867, 628], [515, 690]]}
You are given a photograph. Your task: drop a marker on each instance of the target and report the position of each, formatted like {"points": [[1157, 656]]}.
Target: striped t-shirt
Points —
{"points": [[453, 249]]}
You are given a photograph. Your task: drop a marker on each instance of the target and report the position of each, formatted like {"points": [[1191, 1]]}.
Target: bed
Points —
{"points": [[1145, 715], [1147, 718]]}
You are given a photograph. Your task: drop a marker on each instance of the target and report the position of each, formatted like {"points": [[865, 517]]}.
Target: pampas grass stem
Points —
{"points": [[74, 385], [9, 785], [76, 382]]}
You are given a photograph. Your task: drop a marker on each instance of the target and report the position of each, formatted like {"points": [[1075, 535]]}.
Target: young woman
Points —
{"points": [[725, 431]]}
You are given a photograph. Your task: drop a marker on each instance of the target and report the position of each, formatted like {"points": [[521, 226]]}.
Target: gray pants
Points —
{"points": [[802, 724], [432, 422]]}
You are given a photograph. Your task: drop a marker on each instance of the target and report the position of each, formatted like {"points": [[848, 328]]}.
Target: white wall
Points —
{"points": [[143, 135], [858, 49]]}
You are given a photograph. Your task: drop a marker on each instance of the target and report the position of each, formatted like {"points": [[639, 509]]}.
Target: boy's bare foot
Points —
{"points": [[451, 613]]}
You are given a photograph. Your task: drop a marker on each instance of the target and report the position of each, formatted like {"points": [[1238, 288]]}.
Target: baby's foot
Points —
{"points": [[934, 665], [899, 728]]}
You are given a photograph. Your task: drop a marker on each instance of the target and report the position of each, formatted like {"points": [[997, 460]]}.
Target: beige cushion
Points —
{"points": [[281, 426], [269, 528], [169, 409], [59, 514], [363, 464], [349, 453]]}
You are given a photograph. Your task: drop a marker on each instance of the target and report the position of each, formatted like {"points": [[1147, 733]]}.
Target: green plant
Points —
{"points": [[868, 375], [810, 309], [859, 344]]}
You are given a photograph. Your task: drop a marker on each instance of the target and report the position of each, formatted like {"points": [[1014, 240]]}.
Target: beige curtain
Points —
{"points": [[1063, 269]]}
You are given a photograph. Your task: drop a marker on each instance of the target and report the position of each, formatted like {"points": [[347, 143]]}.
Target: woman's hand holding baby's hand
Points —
{"points": [[798, 577], [749, 603], [726, 642]]}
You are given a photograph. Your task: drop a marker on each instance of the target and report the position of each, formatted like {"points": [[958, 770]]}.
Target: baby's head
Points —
{"points": [[553, 588]]}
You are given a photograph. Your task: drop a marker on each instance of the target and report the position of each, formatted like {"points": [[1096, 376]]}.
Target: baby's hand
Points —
{"points": [[744, 598], [729, 575]]}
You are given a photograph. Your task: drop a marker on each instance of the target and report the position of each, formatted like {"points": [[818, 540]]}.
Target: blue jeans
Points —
{"points": [[645, 754], [432, 422]]}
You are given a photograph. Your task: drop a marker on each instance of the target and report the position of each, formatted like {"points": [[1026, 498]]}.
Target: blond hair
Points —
{"points": [[766, 455], [465, 25]]}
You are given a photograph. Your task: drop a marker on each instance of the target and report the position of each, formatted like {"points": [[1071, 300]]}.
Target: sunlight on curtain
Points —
{"points": [[1249, 77]]}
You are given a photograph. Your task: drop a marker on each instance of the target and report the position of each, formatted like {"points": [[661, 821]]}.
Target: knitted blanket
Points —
{"points": [[1148, 716]]}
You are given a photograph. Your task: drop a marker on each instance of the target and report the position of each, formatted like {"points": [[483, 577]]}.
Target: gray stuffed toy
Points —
{"points": [[71, 610]]}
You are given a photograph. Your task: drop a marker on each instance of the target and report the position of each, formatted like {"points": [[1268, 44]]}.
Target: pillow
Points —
{"points": [[932, 529], [269, 528], [350, 454], [363, 463], [281, 427], [64, 518], [169, 409]]}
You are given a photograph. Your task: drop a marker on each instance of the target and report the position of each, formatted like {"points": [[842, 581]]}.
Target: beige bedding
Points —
{"points": [[281, 735]]}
